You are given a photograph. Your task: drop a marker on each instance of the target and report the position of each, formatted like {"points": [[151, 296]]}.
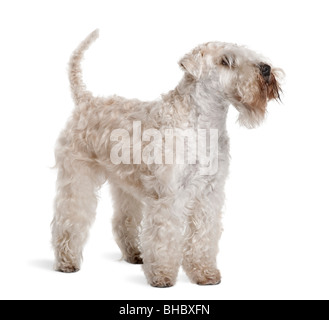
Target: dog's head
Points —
{"points": [[237, 75]]}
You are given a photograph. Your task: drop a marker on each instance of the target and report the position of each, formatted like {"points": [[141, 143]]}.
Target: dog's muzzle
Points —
{"points": [[265, 70]]}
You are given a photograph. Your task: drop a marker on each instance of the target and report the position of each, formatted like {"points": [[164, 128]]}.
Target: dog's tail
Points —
{"points": [[79, 91]]}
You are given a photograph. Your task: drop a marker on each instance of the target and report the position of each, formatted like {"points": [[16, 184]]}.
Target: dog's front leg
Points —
{"points": [[161, 242], [201, 240]]}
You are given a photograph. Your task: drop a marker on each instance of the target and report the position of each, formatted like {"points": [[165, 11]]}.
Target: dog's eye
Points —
{"points": [[225, 61]]}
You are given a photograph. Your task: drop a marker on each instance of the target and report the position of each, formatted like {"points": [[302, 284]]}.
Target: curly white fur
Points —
{"points": [[165, 215]]}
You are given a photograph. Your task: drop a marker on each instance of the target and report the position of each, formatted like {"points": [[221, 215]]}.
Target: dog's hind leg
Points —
{"points": [[126, 224], [75, 209]]}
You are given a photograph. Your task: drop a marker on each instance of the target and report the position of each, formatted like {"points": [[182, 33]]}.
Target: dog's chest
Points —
{"points": [[209, 168]]}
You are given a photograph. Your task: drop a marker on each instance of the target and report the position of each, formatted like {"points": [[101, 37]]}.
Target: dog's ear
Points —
{"points": [[192, 64]]}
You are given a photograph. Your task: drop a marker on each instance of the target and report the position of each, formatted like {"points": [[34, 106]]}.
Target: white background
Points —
{"points": [[275, 244]]}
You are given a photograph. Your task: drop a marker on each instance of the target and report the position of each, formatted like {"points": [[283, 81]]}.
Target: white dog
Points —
{"points": [[166, 213]]}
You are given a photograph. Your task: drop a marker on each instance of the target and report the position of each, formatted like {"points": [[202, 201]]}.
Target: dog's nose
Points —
{"points": [[265, 69]]}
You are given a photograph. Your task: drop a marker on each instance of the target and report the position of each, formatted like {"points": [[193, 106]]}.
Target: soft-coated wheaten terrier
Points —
{"points": [[165, 160]]}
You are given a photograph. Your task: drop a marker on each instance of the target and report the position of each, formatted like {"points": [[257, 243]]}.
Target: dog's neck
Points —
{"points": [[210, 110]]}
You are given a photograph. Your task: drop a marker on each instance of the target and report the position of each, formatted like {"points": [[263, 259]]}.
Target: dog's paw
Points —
{"points": [[134, 259], [206, 277], [65, 268], [160, 277], [161, 282]]}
